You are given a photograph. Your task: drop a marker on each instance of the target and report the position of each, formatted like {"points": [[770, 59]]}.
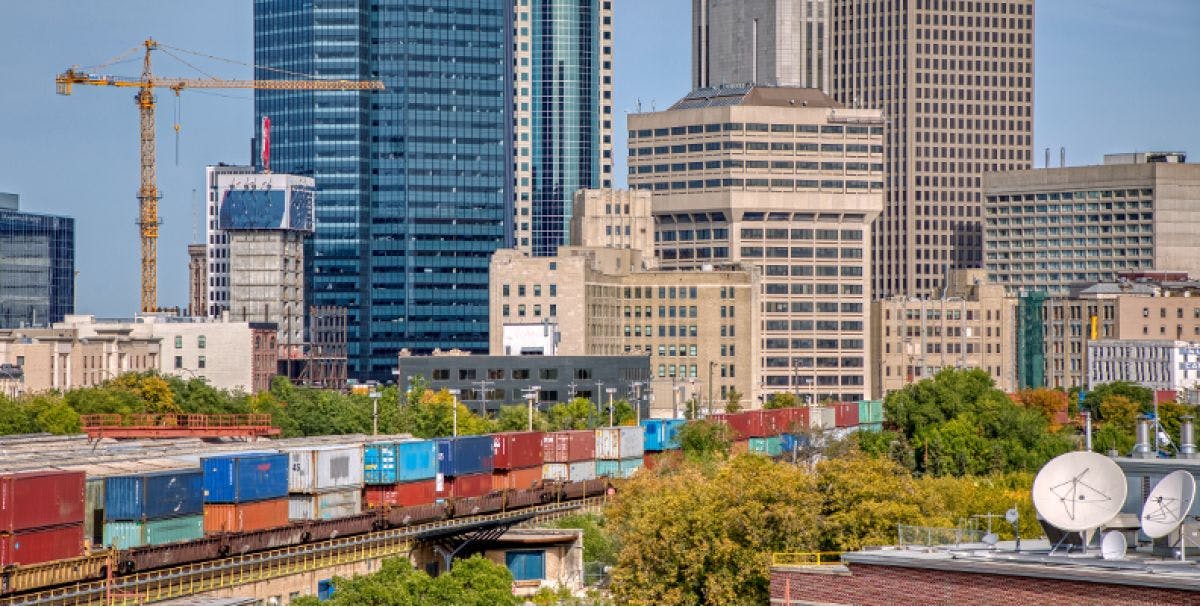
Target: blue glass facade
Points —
{"points": [[565, 121], [37, 267], [414, 182]]}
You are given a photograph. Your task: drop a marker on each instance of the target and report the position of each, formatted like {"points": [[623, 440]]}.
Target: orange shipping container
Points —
{"points": [[247, 516], [521, 478]]}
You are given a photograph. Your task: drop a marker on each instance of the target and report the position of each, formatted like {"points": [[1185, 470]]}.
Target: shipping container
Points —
{"points": [[416, 460], [740, 424], [620, 442], [155, 495], [325, 506], [824, 418], [244, 477], [740, 446], [569, 446], [662, 434], [465, 455], [779, 421], [379, 463], [414, 493], [30, 500], [623, 468], [245, 516], [317, 469], [789, 443], [93, 511], [131, 534], [772, 446], [756, 423], [512, 450], [569, 471], [870, 411], [517, 478], [466, 485], [875, 427], [28, 547], [845, 415]]}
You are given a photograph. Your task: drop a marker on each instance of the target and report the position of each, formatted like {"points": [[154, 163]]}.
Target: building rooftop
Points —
{"points": [[750, 95]]}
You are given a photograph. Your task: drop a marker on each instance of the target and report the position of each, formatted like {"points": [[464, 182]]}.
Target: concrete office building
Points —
{"points": [[786, 180], [37, 266], [562, 62], [63, 357], [972, 326], [699, 328], [617, 219], [954, 79], [1156, 364], [257, 226], [768, 42], [1049, 228]]}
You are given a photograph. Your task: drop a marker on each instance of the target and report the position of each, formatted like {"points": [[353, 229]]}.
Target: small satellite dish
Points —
{"points": [[1079, 491], [1168, 503], [990, 539], [1012, 516], [1112, 547]]}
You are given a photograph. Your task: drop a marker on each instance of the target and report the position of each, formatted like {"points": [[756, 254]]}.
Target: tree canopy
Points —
{"points": [[472, 581]]}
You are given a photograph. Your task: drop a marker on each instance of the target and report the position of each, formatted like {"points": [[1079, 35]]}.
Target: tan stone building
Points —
{"points": [[954, 80], [1047, 229], [786, 180], [617, 219], [62, 358], [695, 325], [197, 279], [973, 326]]}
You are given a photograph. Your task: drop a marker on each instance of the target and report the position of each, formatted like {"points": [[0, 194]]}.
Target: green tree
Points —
{"points": [[472, 581], [598, 543], [864, 499], [151, 389], [733, 401], [1139, 395], [575, 414], [702, 440], [781, 400], [515, 418]]}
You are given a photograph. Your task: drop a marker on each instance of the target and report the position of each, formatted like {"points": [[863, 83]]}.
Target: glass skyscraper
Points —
{"points": [[562, 99], [414, 182], [37, 266]]}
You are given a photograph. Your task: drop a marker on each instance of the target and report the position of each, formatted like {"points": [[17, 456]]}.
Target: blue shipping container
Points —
{"points": [[662, 434], [416, 460], [379, 464], [790, 442], [153, 496], [618, 468], [465, 455], [245, 477]]}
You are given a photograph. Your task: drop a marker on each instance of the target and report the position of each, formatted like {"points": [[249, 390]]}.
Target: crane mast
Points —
{"points": [[148, 195]]}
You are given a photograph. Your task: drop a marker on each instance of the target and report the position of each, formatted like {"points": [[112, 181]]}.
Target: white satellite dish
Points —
{"points": [[1168, 503], [1112, 547], [1079, 491]]}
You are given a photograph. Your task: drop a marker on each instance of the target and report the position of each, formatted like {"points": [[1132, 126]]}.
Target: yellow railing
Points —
{"points": [[195, 578], [806, 558]]}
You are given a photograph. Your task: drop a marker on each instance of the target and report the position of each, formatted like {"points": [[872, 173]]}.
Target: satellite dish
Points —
{"points": [[1112, 547], [1079, 491], [1168, 503], [1012, 516], [991, 539]]}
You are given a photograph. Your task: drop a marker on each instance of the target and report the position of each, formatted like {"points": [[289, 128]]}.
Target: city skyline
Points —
{"points": [[1094, 62]]}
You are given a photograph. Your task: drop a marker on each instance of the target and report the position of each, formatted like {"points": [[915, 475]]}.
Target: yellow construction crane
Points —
{"points": [[144, 100]]}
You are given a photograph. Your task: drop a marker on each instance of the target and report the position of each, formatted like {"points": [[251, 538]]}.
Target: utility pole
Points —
{"points": [[597, 399], [637, 400], [571, 386], [374, 396], [711, 365], [454, 392], [483, 385], [610, 391], [692, 402], [531, 394]]}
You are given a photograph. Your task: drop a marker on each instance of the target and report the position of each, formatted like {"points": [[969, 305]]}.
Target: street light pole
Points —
{"points": [[597, 399], [610, 391], [374, 396], [530, 394], [674, 393], [637, 400], [692, 404], [454, 392]]}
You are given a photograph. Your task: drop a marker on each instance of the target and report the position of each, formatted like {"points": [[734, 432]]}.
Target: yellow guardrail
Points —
{"points": [[805, 558]]}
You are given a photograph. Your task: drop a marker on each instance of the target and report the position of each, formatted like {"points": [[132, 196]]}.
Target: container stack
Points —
{"points": [[619, 451], [41, 517], [325, 482], [870, 415], [517, 460], [660, 435], [465, 466], [569, 456], [153, 508], [400, 473], [245, 492]]}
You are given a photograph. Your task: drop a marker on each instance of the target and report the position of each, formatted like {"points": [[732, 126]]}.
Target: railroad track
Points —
{"points": [[207, 576]]}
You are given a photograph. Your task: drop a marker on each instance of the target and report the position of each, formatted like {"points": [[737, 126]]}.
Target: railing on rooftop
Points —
{"points": [[916, 535], [169, 425], [806, 558]]}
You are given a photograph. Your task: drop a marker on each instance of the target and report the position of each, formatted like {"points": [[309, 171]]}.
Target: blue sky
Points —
{"points": [[1110, 75]]}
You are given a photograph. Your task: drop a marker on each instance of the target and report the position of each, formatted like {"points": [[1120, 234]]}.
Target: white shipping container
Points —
{"points": [[317, 469], [621, 442], [324, 506], [823, 418], [572, 472]]}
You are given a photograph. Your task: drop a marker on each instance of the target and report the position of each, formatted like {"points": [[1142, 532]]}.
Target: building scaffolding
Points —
{"points": [[321, 361]]}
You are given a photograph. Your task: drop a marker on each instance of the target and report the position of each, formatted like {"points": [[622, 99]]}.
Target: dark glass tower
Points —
{"points": [[414, 182], [37, 266]]}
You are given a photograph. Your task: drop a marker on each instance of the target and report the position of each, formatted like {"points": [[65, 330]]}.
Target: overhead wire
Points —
{"points": [[241, 63]]}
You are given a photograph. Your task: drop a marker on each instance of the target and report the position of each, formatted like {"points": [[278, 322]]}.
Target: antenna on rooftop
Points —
{"points": [[1079, 492]]}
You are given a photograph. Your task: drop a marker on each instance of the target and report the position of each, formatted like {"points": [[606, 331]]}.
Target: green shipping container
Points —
{"points": [[875, 427], [772, 446], [870, 412], [130, 534]]}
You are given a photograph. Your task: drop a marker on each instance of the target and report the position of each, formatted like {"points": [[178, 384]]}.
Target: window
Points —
{"points": [[441, 374], [583, 373], [520, 373], [201, 342], [200, 363], [178, 362], [178, 342], [548, 374], [466, 374], [526, 564]]}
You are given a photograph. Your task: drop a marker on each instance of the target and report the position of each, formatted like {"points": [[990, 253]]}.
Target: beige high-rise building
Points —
{"points": [[698, 327], [616, 219], [768, 42], [562, 114], [786, 180], [954, 79], [972, 326], [197, 279]]}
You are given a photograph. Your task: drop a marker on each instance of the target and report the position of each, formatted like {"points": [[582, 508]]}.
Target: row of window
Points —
{"points": [[201, 341], [506, 290], [1090, 195], [499, 374], [780, 343], [754, 127], [752, 146], [811, 380], [789, 184], [801, 234], [506, 310], [808, 362]]}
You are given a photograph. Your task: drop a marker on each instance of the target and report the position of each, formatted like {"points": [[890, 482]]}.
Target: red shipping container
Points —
{"points": [[416, 493], [845, 415], [29, 500], [468, 485], [569, 446], [41, 545], [245, 516], [520, 478], [512, 450], [793, 419], [741, 424]]}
